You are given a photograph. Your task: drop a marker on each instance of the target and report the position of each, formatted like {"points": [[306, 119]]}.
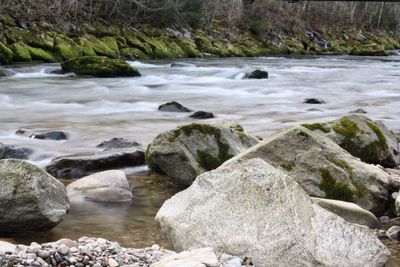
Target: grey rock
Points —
{"points": [[118, 143], [394, 179], [362, 137], [13, 152], [30, 199], [63, 249], [173, 107], [257, 74], [43, 134], [190, 150], [313, 101], [348, 211], [83, 164], [202, 115], [359, 110], [267, 217], [107, 186], [202, 257], [6, 247], [393, 233], [67, 242], [323, 169]]}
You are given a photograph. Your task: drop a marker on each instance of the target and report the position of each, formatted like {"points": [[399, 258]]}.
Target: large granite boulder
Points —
{"points": [[99, 67], [362, 137], [323, 168], [14, 152], [30, 199], [348, 211], [107, 186], [83, 164], [190, 150], [252, 209]]}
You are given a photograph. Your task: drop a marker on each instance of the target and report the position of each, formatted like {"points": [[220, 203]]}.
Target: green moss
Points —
{"points": [[317, 126], [6, 54], [40, 54], [66, 48], [382, 143], [202, 128], [288, 166], [131, 53], [111, 42], [207, 161], [183, 157], [106, 46], [21, 52], [334, 189], [347, 128], [188, 47], [43, 41], [341, 164], [134, 42]]}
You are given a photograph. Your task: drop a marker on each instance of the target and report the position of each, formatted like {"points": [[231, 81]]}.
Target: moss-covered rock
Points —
{"points": [[135, 42], [106, 46], [131, 53], [66, 48], [41, 40], [20, 52], [362, 137], [99, 67], [6, 54], [188, 47], [7, 20], [40, 54], [369, 51], [189, 150]]}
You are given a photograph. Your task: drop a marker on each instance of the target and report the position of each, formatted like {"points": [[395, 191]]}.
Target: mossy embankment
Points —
{"points": [[41, 41]]}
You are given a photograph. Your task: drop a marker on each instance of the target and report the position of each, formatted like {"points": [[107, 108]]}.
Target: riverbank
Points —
{"points": [[41, 41]]}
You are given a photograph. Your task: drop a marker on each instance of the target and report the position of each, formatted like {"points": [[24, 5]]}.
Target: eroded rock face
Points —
{"points": [[30, 199], [323, 168], [83, 164], [190, 150], [362, 137], [107, 186], [255, 210]]}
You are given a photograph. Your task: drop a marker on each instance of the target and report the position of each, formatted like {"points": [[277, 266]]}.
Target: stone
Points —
{"points": [[83, 164], [6, 54], [189, 150], [173, 107], [6, 247], [107, 186], [43, 134], [118, 143], [13, 152], [30, 199], [202, 115], [323, 169], [112, 262], [394, 233], [63, 249], [195, 258], [99, 67], [348, 211], [362, 137], [257, 74], [251, 209], [359, 111], [313, 101], [67, 242], [394, 179]]}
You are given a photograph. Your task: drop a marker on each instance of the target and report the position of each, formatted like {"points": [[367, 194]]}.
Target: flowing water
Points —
{"points": [[92, 110]]}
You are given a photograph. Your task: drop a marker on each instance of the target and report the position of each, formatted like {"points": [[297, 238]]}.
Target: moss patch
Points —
{"points": [[21, 52], [334, 189], [40, 54], [6, 54], [287, 166], [317, 126]]}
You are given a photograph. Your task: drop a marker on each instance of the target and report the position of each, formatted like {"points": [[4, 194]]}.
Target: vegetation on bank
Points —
{"points": [[55, 31]]}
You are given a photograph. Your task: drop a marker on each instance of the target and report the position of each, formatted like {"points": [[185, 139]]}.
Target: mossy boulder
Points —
{"points": [[135, 42], [188, 47], [187, 151], [66, 48], [20, 52], [6, 54], [40, 54], [41, 40], [99, 67], [369, 51], [131, 53], [323, 168], [106, 46], [362, 137]]}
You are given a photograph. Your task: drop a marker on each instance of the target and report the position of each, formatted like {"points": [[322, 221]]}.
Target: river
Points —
{"points": [[92, 110]]}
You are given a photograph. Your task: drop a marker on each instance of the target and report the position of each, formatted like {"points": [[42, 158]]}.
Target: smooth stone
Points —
{"points": [[67, 242], [43, 134], [193, 258], [257, 74], [173, 107], [118, 143], [112, 262], [202, 115], [394, 233], [63, 249], [313, 101]]}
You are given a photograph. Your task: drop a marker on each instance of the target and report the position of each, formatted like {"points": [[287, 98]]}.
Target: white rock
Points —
{"points": [[254, 210], [7, 247], [194, 258]]}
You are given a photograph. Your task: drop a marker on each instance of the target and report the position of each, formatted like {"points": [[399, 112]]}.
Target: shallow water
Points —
{"points": [[93, 110]]}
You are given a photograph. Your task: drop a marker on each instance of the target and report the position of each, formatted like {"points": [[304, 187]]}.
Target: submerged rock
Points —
{"points": [[43, 134], [181, 65], [30, 199], [313, 101], [118, 143], [359, 111], [254, 210], [348, 211], [190, 150], [107, 186], [362, 137], [83, 164], [257, 74], [323, 168], [173, 107], [13, 152], [99, 67], [202, 115]]}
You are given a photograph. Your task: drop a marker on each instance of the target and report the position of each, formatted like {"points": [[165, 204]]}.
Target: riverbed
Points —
{"points": [[92, 110]]}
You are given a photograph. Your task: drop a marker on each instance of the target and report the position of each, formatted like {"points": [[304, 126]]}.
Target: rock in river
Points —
{"points": [[30, 199], [118, 143], [107, 186], [190, 150], [255, 210], [99, 67], [313, 101], [323, 168], [257, 74], [13, 152], [202, 115], [43, 134], [83, 164], [173, 107], [362, 137]]}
